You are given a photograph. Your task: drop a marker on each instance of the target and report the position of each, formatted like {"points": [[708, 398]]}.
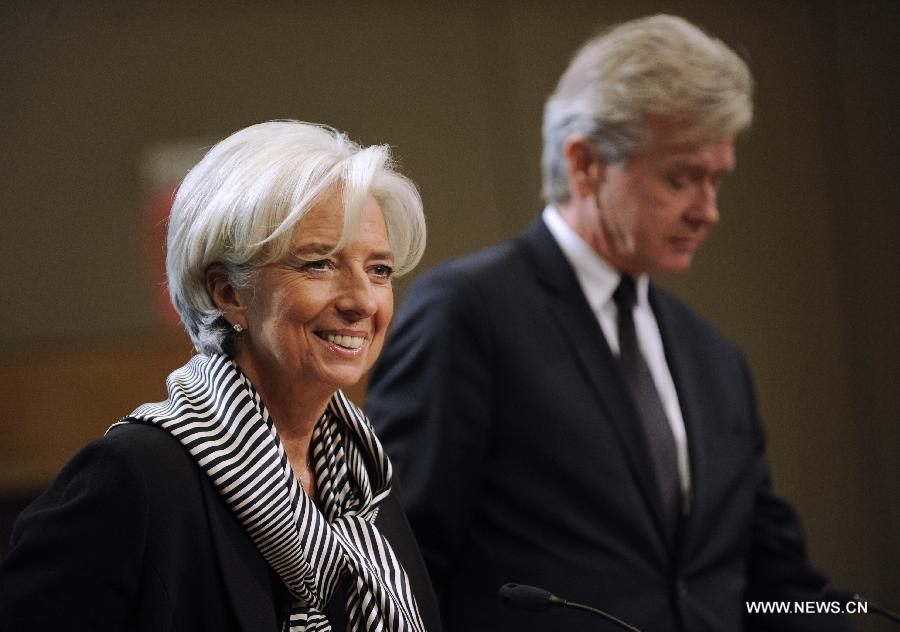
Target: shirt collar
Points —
{"points": [[598, 279]]}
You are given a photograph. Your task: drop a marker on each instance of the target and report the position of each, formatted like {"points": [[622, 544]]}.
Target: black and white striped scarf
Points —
{"points": [[218, 416]]}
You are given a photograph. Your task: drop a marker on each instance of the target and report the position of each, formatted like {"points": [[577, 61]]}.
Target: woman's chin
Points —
{"points": [[344, 378]]}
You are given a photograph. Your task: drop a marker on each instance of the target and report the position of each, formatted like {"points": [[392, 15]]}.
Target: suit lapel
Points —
{"points": [[682, 366], [570, 309]]}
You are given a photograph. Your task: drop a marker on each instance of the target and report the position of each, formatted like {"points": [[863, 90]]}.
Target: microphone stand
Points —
{"points": [[531, 598], [562, 603]]}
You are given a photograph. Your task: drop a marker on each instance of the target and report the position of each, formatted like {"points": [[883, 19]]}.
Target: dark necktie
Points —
{"points": [[649, 406]]}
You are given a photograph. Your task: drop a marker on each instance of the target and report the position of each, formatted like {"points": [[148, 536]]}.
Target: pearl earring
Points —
{"points": [[237, 327]]}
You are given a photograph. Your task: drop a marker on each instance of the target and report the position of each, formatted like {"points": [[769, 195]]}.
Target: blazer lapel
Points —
{"points": [[569, 307], [244, 570]]}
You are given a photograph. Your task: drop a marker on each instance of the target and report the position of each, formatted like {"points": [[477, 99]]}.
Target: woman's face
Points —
{"points": [[316, 322]]}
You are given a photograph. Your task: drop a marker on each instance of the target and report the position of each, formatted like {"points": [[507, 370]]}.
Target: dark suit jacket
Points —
{"points": [[133, 536], [521, 457]]}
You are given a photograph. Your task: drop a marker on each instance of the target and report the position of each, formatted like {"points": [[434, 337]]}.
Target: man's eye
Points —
{"points": [[677, 181]]}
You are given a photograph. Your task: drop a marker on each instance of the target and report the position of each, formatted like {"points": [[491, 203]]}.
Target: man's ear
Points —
{"points": [[585, 166], [225, 296]]}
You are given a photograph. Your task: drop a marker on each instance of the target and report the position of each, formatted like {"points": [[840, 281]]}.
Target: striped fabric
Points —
{"points": [[218, 416]]}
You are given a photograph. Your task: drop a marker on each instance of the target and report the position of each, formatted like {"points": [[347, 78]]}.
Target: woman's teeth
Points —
{"points": [[349, 342]]}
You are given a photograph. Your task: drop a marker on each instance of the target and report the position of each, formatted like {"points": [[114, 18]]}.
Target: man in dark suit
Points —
{"points": [[558, 420]]}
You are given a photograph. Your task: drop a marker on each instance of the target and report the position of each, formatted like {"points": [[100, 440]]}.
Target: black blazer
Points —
{"points": [[133, 536], [521, 457]]}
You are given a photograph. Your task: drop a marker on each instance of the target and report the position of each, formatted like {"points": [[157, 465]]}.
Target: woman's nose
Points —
{"points": [[357, 297]]}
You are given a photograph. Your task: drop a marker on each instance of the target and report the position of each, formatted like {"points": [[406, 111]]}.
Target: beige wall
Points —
{"points": [[802, 272]]}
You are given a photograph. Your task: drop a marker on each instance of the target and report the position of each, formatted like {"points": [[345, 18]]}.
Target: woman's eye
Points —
{"points": [[317, 265], [382, 270]]}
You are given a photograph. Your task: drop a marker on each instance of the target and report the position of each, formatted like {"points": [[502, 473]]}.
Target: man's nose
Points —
{"points": [[706, 208]]}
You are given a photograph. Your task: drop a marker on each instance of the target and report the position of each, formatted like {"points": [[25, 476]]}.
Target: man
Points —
{"points": [[558, 420]]}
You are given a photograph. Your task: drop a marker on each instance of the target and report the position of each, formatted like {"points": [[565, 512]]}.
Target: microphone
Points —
{"points": [[834, 593], [533, 599]]}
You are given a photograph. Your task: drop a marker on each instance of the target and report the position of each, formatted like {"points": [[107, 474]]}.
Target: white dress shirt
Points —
{"points": [[598, 280]]}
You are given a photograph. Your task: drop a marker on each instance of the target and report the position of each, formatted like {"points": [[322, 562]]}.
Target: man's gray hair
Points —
{"points": [[238, 207], [660, 67]]}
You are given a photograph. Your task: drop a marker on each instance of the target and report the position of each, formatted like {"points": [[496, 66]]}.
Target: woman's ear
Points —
{"points": [[225, 296], [584, 165]]}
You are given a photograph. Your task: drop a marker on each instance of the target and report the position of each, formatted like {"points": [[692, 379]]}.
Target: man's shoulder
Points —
{"points": [[485, 279], [491, 264], [687, 322]]}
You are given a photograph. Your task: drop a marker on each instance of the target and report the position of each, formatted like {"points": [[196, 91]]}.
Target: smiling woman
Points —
{"points": [[314, 320], [240, 205], [281, 248]]}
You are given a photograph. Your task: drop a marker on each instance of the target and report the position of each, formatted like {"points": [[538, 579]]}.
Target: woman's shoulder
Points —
{"points": [[134, 458], [137, 438], [152, 454], [126, 524], [125, 486]]}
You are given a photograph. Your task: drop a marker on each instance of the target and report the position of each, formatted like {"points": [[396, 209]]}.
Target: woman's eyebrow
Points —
{"points": [[318, 249], [314, 248], [383, 254]]}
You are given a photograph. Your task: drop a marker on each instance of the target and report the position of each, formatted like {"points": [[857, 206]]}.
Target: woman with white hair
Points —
{"points": [[256, 497]]}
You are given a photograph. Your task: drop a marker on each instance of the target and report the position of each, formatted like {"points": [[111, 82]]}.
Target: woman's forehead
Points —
{"points": [[321, 230]]}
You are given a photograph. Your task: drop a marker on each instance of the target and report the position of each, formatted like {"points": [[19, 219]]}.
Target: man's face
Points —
{"points": [[653, 211]]}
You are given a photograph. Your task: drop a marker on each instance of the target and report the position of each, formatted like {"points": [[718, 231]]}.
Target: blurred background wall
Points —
{"points": [[802, 271]]}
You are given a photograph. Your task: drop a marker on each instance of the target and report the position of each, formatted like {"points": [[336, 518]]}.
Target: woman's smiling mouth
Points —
{"points": [[347, 342]]}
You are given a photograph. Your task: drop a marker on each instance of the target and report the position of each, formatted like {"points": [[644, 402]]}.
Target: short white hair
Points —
{"points": [[238, 207], [659, 67]]}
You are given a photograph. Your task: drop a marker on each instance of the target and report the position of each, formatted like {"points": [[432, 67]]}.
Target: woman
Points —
{"points": [[256, 497]]}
